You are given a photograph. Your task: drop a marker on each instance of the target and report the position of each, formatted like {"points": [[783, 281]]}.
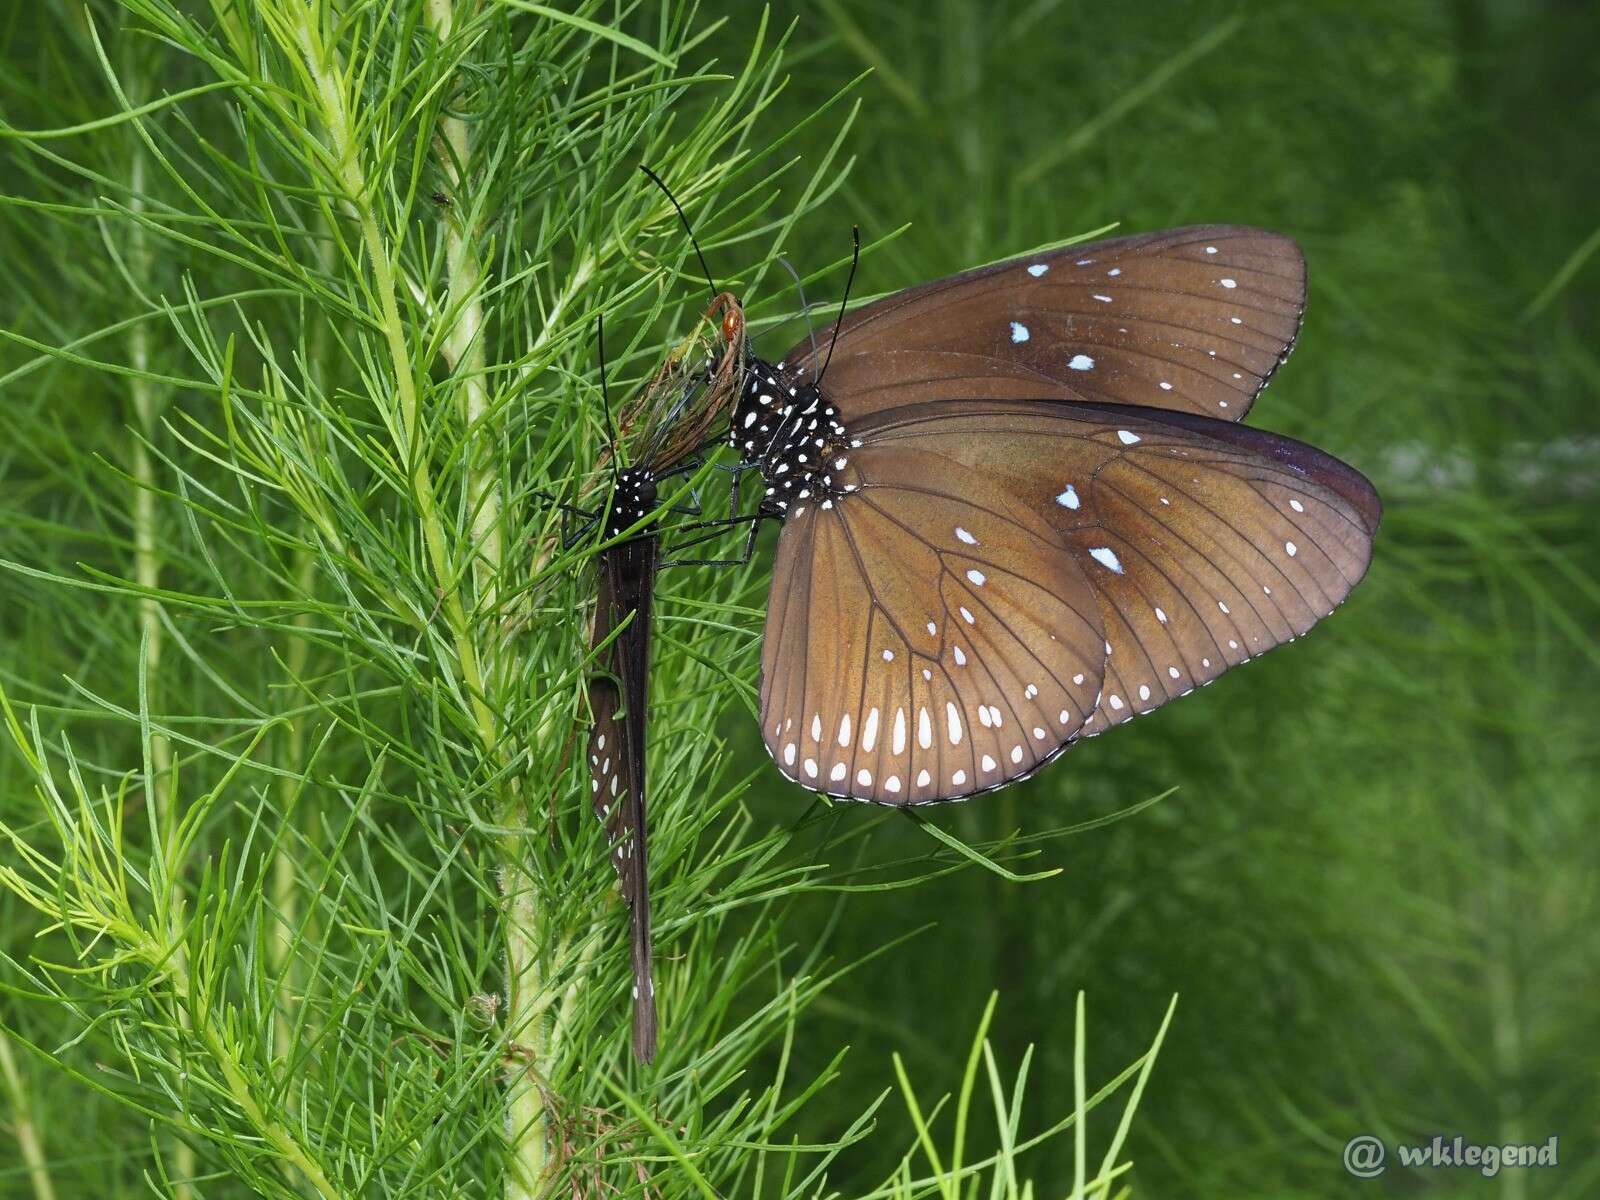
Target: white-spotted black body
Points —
{"points": [[787, 428], [633, 498]]}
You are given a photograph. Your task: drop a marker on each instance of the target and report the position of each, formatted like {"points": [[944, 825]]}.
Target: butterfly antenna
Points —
{"points": [[855, 261], [605, 394], [687, 228], [805, 308]]}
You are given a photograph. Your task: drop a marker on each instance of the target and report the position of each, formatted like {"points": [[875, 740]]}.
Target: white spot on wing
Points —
{"points": [[1127, 437], [1081, 362], [977, 577], [952, 716], [965, 536], [1291, 549], [1107, 557], [1038, 269], [1019, 332], [899, 730], [1229, 283], [924, 729], [844, 730], [1068, 498], [869, 731]]}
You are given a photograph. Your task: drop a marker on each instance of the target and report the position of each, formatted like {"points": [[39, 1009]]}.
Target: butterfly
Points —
{"points": [[1017, 509], [670, 418]]}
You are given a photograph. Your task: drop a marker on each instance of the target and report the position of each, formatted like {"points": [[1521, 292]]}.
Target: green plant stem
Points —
{"points": [[147, 570], [29, 1144], [526, 1117]]}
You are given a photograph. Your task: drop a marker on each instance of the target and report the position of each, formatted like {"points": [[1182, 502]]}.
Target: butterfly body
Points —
{"points": [[1017, 510], [788, 429]]}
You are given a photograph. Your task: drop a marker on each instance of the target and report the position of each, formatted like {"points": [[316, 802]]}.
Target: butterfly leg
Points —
{"points": [[715, 529]]}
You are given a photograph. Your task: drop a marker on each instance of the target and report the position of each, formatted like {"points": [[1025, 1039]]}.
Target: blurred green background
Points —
{"points": [[1377, 888], [1376, 885]]}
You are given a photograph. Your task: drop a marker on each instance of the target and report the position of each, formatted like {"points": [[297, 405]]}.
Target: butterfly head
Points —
{"points": [[632, 500]]}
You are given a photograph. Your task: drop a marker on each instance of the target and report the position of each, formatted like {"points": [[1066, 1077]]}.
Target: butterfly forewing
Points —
{"points": [[617, 698], [1194, 319], [927, 638], [1205, 543]]}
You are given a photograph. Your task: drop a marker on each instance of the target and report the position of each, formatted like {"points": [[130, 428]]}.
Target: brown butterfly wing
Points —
{"points": [[1205, 543], [616, 752], [923, 641], [1193, 319]]}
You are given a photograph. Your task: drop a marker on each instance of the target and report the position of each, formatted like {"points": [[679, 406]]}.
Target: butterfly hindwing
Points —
{"points": [[1193, 319], [1205, 543], [926, 638]]}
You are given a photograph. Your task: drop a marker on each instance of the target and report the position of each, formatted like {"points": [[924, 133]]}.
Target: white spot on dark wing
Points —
{"points": [[1222, 606], [1116, 703], [1081, 362], [960, 656], [965, 536], [1165, 386], [1068, 498], [1038, 269], [988, 763], [892, 784], [1127, 437], [923, 778], [1211, 249], [1229, 283], [888, 656], [1019, 332], [1144, 691], [924, 729], [1102, 299], [899, 744], [788, 755], [844, 730], [1107, 557], [839, 771], [1161, 616], [977, 577], [965, 615], [1291, 549], [1174, 672], [952, 716], [958, 778], [864, 777], [811, 767], [869, 731], [1297, 506]]}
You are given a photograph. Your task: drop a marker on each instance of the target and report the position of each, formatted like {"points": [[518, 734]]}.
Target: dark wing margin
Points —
{"points": [[1195, 319]]}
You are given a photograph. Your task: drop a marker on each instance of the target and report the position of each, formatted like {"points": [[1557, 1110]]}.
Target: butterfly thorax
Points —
{"points": [[791, 433], [633, 498]]}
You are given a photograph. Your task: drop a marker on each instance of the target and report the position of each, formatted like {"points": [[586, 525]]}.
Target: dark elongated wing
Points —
{"points": [[1194, 319], [1071, 558], [617, 698]]}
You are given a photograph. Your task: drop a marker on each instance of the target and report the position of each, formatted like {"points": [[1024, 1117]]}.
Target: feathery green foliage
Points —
{"points": [[301, 894], [298, 894]]}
